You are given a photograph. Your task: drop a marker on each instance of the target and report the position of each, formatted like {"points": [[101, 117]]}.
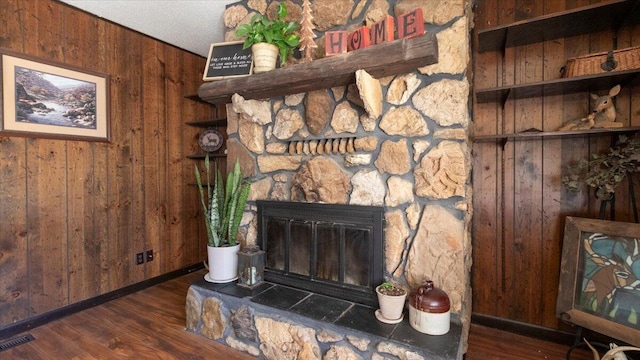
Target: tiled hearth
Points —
{"points": [[317, 326]]}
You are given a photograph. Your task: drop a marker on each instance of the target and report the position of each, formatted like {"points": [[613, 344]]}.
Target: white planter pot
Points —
{"points": [[391, 307], [223, 264], [264, 57]]}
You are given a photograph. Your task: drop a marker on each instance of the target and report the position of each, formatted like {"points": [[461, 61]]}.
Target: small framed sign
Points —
{"points": [[227, 60]]}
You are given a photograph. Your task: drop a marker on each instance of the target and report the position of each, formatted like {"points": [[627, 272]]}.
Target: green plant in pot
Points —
{"points": [[278, 33], [223, 207], [391, 298]]}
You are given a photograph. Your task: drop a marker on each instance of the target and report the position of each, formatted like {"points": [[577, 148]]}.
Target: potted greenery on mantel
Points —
{"points": [[276, 36], [223, 207]]}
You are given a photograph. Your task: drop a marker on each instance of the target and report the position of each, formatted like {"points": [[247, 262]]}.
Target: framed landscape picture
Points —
{"points": [[600, 277], [49, 100]]}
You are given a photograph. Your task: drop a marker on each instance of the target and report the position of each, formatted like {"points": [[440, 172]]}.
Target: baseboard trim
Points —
{"points": [[520, 328], [38, 320]]}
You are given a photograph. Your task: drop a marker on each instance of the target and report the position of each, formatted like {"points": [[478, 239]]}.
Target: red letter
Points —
{"points": [[359, 39], [411, 24], [382, 30], [335, 42]]}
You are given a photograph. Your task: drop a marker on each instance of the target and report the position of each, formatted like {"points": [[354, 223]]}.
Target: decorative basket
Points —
{"points": [[598, 63]]}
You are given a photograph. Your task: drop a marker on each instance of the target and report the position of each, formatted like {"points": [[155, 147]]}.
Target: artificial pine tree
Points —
{"points": [[306, 31]]}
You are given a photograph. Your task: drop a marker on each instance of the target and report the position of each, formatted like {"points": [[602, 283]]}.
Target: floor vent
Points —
{"points": [[18, 340]]}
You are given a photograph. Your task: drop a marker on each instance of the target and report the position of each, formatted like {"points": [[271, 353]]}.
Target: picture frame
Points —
{"points": [[43, 99], [599, 286], [228, 60]]}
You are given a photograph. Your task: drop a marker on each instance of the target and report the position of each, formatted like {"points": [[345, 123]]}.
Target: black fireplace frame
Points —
{"points": [[364, 217]]}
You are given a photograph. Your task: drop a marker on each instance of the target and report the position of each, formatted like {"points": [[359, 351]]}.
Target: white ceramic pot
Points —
{"points": [[223, 264], [264, 57], [391, 307]]}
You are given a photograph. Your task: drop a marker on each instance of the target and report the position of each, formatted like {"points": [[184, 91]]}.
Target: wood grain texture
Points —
{"points": [[519, 202], [75, 213]]}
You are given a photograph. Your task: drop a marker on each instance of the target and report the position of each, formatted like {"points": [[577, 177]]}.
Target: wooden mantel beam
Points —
{"points": [[390, 58]]}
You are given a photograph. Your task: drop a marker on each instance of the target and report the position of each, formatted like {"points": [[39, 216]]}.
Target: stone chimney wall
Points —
{"points": [[413, 159]]}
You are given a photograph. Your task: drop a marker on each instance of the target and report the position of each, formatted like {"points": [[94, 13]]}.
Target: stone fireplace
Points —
{"points": [[413, 160]]}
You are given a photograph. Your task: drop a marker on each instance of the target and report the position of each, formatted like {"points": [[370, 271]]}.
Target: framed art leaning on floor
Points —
{"points": [[600, 277]]}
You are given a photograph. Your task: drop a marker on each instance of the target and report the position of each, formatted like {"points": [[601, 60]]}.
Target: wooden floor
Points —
{"points": [[150, 325]]}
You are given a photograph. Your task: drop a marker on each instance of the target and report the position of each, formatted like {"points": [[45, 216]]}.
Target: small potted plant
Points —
{"points": [[268, 38], [391, 298], [223, 207]]}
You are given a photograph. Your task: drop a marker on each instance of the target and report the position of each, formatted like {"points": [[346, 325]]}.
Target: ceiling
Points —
{"points": [[191, 25]]}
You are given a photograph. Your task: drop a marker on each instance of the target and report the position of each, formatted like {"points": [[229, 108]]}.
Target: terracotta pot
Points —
{"points": [[223, 264], [264, 57]]}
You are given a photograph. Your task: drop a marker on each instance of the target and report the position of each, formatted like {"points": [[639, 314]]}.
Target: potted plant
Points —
{"points": [[268, 38], [391, 298], [223, 207]]}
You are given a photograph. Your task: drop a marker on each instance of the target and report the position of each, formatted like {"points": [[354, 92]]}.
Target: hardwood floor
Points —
{"points": [[150, 325]]}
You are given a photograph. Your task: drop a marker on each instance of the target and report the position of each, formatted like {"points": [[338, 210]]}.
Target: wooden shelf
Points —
{"points": [[202, 156], [558, 86], [207, 123], [389, 58], [582, 20], [537, 135]]}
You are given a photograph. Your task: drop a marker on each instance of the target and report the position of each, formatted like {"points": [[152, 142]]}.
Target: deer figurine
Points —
{"points": [[602, 116]]}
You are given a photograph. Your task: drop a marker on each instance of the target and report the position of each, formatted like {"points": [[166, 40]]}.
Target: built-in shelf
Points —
{"points": [[537, 135], [207, 123], [558, 86], [578, 21], [389, 58], [202, 156]]}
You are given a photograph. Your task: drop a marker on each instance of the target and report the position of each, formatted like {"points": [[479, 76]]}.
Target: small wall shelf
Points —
{"points": [[389, 58], [582, 20], [558, 86], [202, 156], [207, 123], [537, 135]]}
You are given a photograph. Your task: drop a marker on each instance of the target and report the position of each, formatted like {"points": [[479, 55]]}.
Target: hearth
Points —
{"points": [[330, 249]]}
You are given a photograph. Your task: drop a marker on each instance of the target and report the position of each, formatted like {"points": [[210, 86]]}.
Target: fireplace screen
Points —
{"points": [[335, 250]]}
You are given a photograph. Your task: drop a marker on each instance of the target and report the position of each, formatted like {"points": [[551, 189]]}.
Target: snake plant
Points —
{"points": [[223, 205]]}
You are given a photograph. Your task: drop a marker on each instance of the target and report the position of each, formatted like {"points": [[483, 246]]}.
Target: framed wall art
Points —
{"points": [[43, 99], [228, 60], [600, 277]]}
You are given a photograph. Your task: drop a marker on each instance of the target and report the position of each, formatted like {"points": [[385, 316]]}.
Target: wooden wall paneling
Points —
{"points": [[551, 208], [174, 249], [121, 254], [154, 152], [14, 295], [47, 208], [487, 227], [47, 224], [195, 245], [87, 250], [507, 304], [527, 170], [134, 118]]}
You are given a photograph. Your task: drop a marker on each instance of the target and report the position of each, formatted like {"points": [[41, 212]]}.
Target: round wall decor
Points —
{"points": [[210, 140]]}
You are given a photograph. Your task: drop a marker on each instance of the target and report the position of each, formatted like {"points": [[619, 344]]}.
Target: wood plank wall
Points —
{"points": [[73, 214], [519, 203]]}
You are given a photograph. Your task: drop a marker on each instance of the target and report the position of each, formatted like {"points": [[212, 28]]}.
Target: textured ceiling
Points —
{"points": [[191, 25]]}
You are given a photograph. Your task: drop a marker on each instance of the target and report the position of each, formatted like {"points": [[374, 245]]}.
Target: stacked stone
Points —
{"points": [[414, 159]]}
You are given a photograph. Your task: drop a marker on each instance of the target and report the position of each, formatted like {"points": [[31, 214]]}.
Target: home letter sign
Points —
{"points": [[411, 24], [335, 42]]}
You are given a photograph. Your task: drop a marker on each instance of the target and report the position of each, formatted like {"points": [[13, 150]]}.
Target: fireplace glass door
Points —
{"points": [[335, 250]]}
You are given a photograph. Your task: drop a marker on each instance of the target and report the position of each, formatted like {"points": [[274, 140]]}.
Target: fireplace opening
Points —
{"points": [[330, 249]]}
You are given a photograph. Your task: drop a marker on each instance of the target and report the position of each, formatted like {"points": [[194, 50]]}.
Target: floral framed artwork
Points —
{"points": [[600, 277], [43, 99]]}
